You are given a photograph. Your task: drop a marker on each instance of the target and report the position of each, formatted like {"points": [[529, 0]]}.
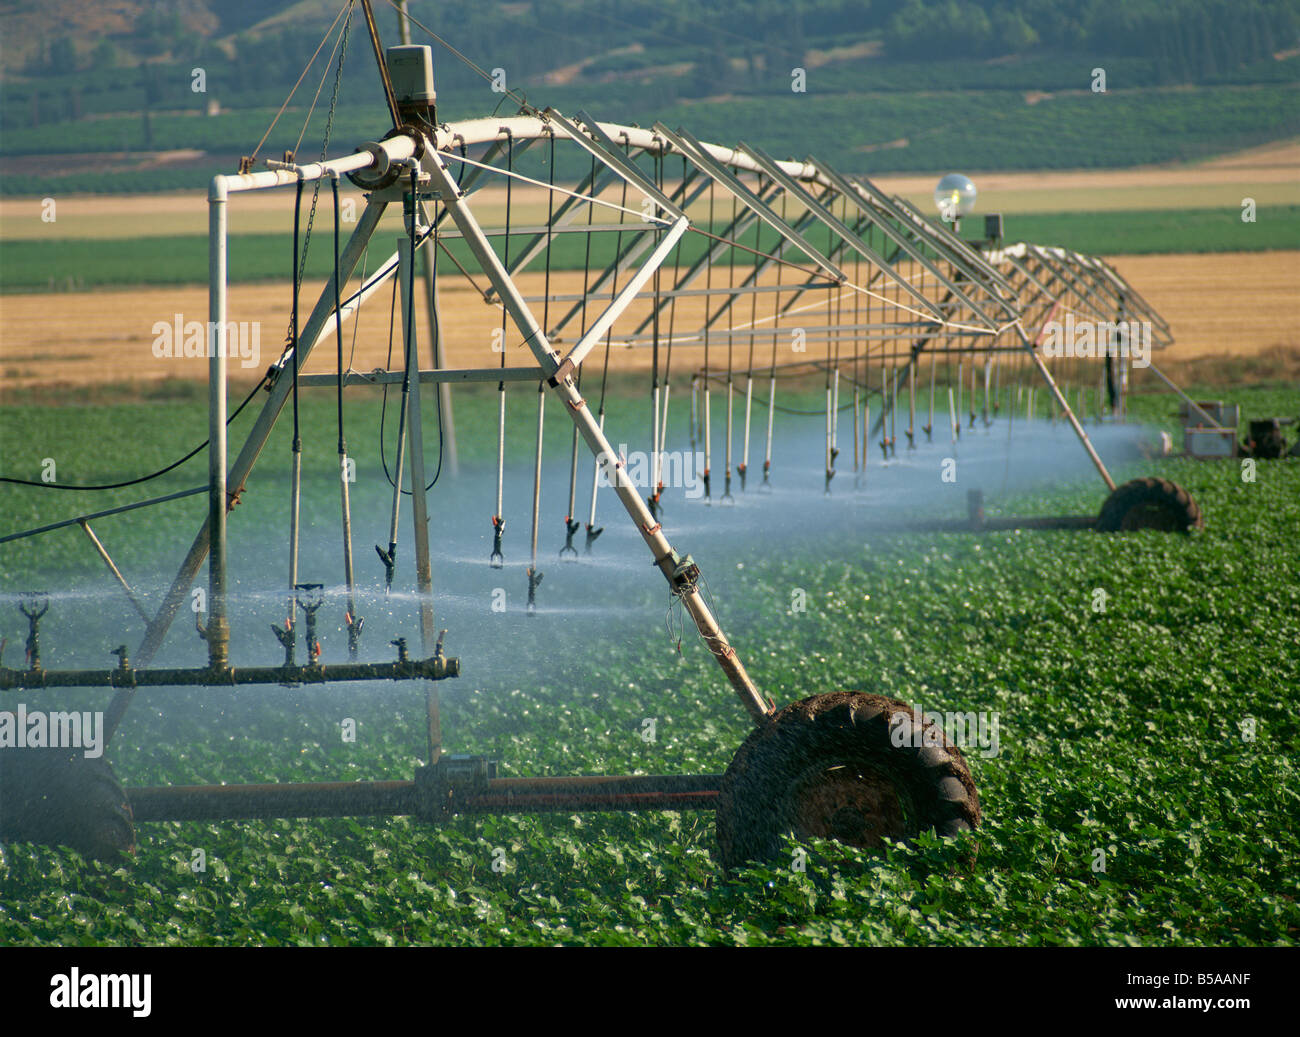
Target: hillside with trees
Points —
{"points": [[876, 86]]}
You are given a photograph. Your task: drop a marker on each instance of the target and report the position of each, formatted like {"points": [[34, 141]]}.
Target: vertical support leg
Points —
{"points": [[771, 410], [535, 577], [419, 505], [1069, 414], [218, 630], [257, 437], [911, 403], [439, 354]]}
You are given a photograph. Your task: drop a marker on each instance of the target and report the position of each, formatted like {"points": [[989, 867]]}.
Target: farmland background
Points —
{"points": [[1123, 731]]}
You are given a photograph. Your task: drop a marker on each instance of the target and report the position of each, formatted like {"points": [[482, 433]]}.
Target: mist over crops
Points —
{"points": [[607, 596]]}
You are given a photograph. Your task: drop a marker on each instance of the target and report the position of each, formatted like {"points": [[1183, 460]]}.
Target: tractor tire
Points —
{"points": [[1150, 504], [828, 767], [59, 797]]}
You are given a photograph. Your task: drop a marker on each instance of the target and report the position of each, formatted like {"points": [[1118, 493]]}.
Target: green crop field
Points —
{"points": [[40, 265], [1161, 733], [859, 132]]}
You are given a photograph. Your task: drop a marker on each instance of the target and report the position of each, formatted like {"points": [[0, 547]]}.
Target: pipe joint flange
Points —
{"points": [[384, 173]]}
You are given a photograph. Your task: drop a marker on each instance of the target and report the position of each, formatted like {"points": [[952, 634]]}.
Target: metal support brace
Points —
{"points": [[1069, 414], [550, 361]]}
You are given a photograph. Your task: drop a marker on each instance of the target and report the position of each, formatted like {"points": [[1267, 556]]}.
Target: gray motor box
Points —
{"points": [[1226, 415], [411, 70], [1210, 442]]}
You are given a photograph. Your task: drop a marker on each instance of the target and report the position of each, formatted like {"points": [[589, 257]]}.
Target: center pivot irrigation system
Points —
{"points": [[781, 270]]}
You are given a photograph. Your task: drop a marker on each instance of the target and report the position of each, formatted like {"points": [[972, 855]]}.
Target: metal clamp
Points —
{"points": [[683, 573], [384, 173], [442, 789]]}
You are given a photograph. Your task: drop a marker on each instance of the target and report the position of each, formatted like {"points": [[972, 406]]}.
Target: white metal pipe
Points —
{"points": [[835, 410], [415, 451], [218, 626], [1209, 421], [749, 406], [708, 429], [537, 468], [501, 446], [830, 464], [524, 127], [595, 479], [447, 374], [771, 407], [663, 436], [654, 437], [731, 408], [396, 149]]}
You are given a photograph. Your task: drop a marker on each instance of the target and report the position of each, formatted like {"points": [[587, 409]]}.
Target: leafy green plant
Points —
{"points": [[1121, 733]]}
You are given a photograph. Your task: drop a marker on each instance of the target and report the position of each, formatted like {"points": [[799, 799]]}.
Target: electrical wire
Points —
{"points": [[144, 478]]}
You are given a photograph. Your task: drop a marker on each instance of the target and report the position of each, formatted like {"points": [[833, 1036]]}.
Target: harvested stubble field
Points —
{"points": [[1225, 304], [1236, 305]]}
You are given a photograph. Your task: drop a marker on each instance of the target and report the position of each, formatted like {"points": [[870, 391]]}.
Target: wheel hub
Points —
{"points": [[851, 804], [1152, 516]]}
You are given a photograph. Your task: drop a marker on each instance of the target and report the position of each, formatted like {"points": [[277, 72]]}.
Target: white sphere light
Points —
{"points": [[954, 197]]}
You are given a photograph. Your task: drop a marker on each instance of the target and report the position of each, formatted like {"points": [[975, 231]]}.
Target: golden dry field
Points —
{"points": [[1219, 304], [1222, 304]]}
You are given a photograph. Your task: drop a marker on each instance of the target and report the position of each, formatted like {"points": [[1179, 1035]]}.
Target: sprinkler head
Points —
{"points": [[311, 596], [34, 604]]}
